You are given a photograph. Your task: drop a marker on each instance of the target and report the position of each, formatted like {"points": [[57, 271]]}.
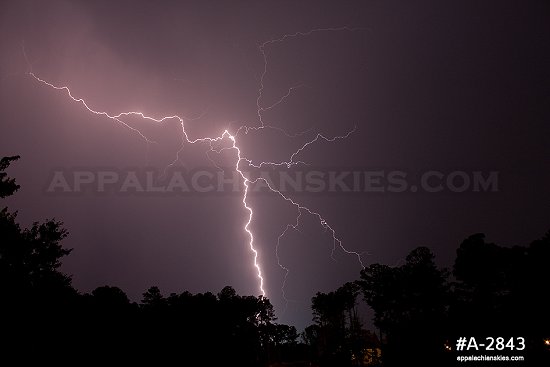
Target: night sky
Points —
{"points": [[427, 85]]}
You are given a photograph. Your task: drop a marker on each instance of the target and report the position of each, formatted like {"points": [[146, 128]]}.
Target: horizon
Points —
{"points": [[406, 125]]}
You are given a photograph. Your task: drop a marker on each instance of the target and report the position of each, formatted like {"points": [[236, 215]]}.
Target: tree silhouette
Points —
{"points": [[338, 333], [409, 304], [501, 289], [7, 185], [110, 297], [153, 298], [37, 299], [30, 257], [495, 290]]}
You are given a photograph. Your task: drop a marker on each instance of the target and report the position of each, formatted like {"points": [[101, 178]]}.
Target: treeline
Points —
{"points": [[44, 319], [419, 309]]}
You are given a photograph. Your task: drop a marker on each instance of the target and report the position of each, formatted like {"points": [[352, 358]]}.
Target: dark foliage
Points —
{"points": [[44, 319], [419, 310]]}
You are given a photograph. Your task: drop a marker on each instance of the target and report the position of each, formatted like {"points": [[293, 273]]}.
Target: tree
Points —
{"points": [[501, 288], [30, 257], [7, 185], [339, 334], [283, 342], [532, 288], [153, 298], [379, 284], [38, 302], [284, 334], [410, 307], [110, 297]]}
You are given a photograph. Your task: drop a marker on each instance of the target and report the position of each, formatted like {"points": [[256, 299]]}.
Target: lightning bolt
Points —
{"points": [[241, 160]]}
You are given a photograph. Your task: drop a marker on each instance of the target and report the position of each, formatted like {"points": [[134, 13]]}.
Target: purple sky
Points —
{"points": [[462, 86]]}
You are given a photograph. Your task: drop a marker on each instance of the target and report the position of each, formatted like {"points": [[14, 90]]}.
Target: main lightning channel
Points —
{"points": [[185, 139]]}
